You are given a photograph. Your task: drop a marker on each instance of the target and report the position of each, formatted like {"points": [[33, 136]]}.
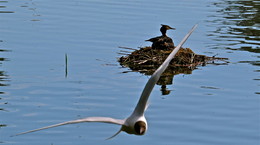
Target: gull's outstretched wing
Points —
{"points": [[141, 106], [88, 119]]}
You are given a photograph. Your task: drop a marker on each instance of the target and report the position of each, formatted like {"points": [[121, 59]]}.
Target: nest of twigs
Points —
{"points": [[147, 60]]}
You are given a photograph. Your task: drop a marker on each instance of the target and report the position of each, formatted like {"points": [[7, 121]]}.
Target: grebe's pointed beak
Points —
{"points": [[171, 28], [167, 27]]}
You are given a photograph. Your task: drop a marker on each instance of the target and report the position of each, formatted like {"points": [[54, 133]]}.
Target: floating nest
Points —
{"points": [[147, 60]]}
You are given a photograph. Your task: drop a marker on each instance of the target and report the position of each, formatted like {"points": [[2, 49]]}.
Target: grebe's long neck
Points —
{"points": [[163, 31]]}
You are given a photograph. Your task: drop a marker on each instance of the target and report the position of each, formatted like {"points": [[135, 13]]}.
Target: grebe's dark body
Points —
{"points": [[162, 42]]}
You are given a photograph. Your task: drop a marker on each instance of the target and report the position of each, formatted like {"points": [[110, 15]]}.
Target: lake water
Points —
{"points": [[215, 105]]}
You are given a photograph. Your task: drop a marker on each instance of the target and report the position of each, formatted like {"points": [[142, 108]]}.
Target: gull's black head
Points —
{"points": [[140, 127], [164, 28]]}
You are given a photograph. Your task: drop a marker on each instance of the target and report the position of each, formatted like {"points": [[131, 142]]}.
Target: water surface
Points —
{"points": [[216, 104]]}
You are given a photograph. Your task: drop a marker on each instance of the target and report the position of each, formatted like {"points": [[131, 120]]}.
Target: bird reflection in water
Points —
{"points": [[166, 79], [136, 123]]}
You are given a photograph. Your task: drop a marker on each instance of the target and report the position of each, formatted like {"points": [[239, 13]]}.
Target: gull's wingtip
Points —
{"points": [[24, 133], [196, 25], [19, 134]]}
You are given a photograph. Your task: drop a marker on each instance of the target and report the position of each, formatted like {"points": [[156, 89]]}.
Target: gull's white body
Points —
{"points": [[136, 122]]}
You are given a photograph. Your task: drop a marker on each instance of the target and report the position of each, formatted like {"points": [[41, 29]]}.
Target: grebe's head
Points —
{"points": [[164, 28]]}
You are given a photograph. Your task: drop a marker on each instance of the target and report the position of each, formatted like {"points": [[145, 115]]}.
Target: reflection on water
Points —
{"points": [[3, 7], [168, 75], [3, 75], [3, 83], [166, 78], [237, 23], [32, 7]]}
